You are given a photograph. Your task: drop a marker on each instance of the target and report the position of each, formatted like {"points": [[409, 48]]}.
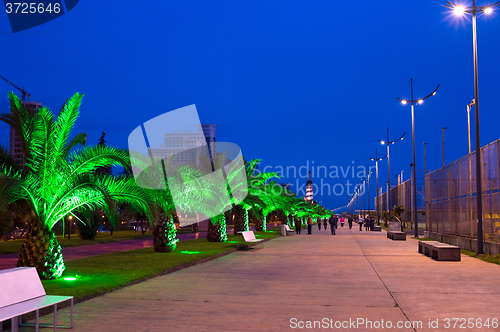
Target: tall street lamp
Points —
{"points": [[413, 102], [468, 120], [388, 142], [376, 160], [425, 168], [443, 146], [460, 11]]}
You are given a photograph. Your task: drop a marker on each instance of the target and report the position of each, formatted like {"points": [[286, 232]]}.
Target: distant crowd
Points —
{"points": [[368, 222]]}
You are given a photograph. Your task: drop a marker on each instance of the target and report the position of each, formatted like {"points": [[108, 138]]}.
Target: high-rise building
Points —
{"points": [[15, 149], [187, 146]]}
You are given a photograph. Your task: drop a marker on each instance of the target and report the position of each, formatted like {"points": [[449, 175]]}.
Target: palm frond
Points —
{"points": [[6, 160], [65, 123]]}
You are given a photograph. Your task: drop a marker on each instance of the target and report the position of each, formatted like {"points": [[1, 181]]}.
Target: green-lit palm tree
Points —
{"points": [[55, 181]]}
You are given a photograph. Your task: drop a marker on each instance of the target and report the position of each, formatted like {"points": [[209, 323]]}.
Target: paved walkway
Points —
{"points": [[350, 276]]}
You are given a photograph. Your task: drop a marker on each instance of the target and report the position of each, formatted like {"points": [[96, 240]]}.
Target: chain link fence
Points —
{"points": [[402, 195], [450, 202]]}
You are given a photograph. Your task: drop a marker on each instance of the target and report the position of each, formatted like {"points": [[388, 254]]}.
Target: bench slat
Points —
{"points": [[25, 307]]}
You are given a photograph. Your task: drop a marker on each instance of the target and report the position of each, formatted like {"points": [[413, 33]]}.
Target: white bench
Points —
{"points": [[288, 230], [249, 236], [22, 293]]}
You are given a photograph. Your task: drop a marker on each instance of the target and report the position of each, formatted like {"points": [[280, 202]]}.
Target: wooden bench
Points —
{"points": [[289, 231], [396, 236], [440, 251], [22, 293]]}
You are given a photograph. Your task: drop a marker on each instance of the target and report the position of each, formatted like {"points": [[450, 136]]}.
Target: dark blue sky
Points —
{"points": [[289, 81]]}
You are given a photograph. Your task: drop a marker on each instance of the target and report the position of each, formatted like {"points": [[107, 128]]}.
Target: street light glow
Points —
{"points": [[459, 10], [382, 142], [488, 10], [434, 93], [403, 102], [420, 101]]}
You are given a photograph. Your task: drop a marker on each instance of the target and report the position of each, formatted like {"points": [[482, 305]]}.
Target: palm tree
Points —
{"points": [[397, 211], [56, 182], [385, 217]]}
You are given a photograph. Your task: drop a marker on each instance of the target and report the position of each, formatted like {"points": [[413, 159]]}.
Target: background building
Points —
{"points": [[15, 149], [187, 145]]}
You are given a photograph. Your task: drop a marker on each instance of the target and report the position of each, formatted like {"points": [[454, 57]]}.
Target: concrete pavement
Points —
{"points": [[335, 280]]}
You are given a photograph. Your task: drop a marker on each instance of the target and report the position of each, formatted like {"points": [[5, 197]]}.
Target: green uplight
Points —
{"points": [[70, 278], [232, 242], [190, 252]]}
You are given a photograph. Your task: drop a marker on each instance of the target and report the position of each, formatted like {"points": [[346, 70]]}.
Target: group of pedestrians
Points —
{"points": [[367, 222], [333, 221]]}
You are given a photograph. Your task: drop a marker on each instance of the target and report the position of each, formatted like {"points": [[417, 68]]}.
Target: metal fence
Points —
{"points": [[450, 203], [402, 195]]}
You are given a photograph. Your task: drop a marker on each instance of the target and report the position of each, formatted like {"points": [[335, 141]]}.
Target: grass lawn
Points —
{"points": [[484, 257], [101, 274], [422, 238], [12, 246]]}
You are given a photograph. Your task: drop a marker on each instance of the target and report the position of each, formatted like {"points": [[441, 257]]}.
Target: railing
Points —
{"points": [[402, 195], [450, 203]]}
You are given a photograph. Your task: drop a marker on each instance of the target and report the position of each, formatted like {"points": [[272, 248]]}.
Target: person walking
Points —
{"points": [[342, 222], [349, 221], [332, 224], [319, 223], [360, 220], [298, 226], [309, 225], [325, 223], [366, 222]]}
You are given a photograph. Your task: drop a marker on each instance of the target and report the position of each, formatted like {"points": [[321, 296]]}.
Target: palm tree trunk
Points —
{"points": [[259, 223], [42, 251], [239, 219], [217, 229], [164, 235]]}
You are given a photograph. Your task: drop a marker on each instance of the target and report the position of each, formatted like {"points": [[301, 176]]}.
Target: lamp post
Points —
{"points": [[468, 120], [443, 146], [425, 168], [70, 221], [376, 160], [413, 102], [388, 142], [460, 11]]}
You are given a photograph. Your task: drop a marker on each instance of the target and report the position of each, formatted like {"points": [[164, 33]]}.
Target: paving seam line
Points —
{"points": [[383, 283], [31, 316]]}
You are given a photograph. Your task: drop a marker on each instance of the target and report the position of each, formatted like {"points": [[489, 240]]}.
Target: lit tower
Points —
{"points": [[309, 189]]}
